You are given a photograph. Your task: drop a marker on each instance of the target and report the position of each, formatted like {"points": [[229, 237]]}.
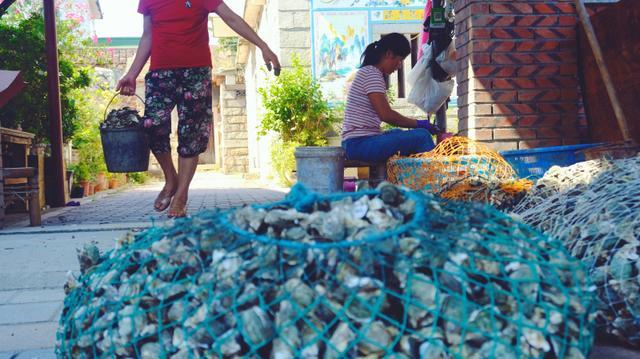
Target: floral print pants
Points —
{"points": [[190, 90]]}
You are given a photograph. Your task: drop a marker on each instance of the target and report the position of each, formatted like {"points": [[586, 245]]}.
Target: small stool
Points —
{"points": [[27, 192], [377, 170]]}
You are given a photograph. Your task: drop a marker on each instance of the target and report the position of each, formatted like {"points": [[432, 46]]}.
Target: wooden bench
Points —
{"points": [[377, 171]]}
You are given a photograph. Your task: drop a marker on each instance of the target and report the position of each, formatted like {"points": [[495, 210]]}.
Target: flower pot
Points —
{"points": [[321, 169], [113, 183], [92, 188], [85, 188]]}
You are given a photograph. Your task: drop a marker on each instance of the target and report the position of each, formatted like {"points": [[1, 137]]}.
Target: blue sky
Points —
{"points": [[121, 18]]}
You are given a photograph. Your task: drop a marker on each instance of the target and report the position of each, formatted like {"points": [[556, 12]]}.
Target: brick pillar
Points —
{"points": [[518, 74], [234, 143]]}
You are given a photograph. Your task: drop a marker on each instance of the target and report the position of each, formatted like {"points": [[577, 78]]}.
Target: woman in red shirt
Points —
{"points": [[176, 37]]}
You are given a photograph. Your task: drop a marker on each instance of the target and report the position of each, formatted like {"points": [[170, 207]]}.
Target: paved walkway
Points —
{"points": [[133, 206]]}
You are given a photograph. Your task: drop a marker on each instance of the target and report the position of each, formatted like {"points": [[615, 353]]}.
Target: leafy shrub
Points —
{"points": [[295, 107]]}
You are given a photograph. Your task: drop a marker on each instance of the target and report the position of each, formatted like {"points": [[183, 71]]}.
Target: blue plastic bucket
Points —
{"points": [[534, 163]]}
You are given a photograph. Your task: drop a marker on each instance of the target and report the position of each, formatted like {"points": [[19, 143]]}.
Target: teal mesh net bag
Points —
{"points": [[370, 274], [594, 209]]}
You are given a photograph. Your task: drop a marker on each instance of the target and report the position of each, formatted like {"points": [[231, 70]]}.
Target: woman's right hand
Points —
{"points": [[127, 85]]}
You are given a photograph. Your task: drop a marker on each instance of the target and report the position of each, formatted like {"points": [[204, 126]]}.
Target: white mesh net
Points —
{"points": [[594, 208]]}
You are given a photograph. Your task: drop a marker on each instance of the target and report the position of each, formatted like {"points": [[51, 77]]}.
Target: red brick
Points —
{"points": [[539, 121], [554, 33], [480, 33], [479, 8], [493, 20], [566, 8], [570, 109], [513, 133], [544, 9], [483, 135], [539, 95], [494, 71], [568, 20], [493, 122], [481, 58], [513, 83], [480, 109], [491, 46], [494, 97], [512, 8], [538, 71], [514, 109], [512, 33]]}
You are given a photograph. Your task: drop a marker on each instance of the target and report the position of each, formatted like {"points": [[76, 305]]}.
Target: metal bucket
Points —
{"points": [[321, 169], [125, 149]]}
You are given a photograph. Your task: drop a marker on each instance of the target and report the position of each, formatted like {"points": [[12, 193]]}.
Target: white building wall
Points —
{"points": [[286, 26]]}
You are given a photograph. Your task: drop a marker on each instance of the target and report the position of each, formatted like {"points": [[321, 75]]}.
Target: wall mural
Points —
{"points": [[324, 4], [339, 40]]}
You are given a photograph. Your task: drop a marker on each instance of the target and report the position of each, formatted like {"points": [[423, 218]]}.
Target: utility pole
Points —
{"points": [[58, 194]]}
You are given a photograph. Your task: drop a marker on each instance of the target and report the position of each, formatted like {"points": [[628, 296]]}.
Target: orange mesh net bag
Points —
{"points": [[462, 169]]}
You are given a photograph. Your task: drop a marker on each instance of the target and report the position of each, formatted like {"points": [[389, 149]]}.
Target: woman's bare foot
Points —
{"points": [[164, 198], [178, 207]]}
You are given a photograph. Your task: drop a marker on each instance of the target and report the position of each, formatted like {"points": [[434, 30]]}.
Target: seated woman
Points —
{"points": [[367, 106]]}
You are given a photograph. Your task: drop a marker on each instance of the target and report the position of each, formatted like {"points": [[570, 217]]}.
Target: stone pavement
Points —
{"points": [[33, 268], [133, 206]]}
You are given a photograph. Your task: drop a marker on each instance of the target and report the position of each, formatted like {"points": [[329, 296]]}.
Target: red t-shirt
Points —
{"points": [[180, 35]]}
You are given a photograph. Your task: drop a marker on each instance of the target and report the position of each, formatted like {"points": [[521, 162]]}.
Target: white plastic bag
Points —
{"points": [[447, 59], [427, 93], [420, 68]]}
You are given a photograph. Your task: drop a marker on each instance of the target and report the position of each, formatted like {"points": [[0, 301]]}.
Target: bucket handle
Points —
{"points": [[104, 117]]}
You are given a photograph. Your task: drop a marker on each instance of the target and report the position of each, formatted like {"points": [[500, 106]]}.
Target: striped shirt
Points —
{"points": [[360, 119]]}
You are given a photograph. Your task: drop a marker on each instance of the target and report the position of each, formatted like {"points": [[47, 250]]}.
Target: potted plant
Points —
{"points": [[82, 174], [113, 180], [298, 112]]}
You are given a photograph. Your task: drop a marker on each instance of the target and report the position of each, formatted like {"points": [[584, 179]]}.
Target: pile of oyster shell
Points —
{"points": [[370, 274], [560, 179], [125, 117], [594, 208]]}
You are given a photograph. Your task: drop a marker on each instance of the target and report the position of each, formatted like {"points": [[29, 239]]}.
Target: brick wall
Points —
{"points": [[518, 74]]}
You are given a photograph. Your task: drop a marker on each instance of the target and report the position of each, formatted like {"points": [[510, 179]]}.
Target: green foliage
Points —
{"points": [[229, 43], [138, 177], [86, 140], [283, 160], [22, 47], [81, 172], [295, 107]]}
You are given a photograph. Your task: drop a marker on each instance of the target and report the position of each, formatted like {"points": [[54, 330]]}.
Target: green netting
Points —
{"points": [[377, 273], [594, 208]]}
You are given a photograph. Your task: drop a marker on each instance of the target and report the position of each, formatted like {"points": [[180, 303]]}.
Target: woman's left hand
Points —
{"points": [[427, 125]]}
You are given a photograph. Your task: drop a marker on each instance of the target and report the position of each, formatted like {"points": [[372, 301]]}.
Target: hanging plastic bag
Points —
{"points": [[421, 66], [428, 94], [447, 59]]}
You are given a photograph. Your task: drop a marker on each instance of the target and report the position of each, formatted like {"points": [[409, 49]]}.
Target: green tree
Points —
{"points": [[22, 47]]}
